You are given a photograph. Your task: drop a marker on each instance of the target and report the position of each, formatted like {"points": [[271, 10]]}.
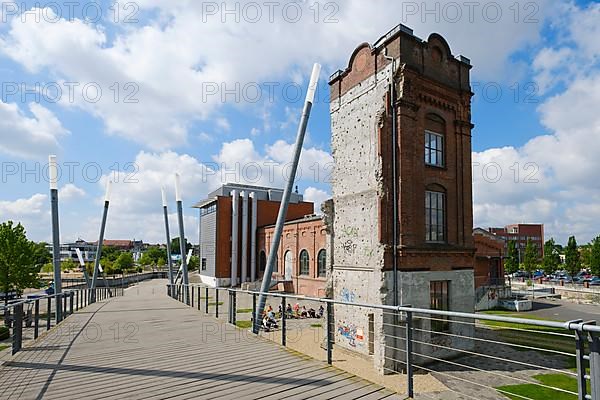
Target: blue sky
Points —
{"points": [[535, 76]]}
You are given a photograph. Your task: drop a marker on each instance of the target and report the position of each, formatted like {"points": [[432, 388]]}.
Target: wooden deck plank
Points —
{"points": [[147, 346]]}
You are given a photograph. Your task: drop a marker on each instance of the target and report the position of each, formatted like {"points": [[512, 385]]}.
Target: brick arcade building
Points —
{"points": [[302, 256], [520, 234], [401, 119]]}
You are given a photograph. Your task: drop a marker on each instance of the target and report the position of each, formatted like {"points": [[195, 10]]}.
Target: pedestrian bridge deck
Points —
{"points": [[146, 345]]}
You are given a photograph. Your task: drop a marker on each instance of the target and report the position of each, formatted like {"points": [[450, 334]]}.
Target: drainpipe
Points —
{"points": [[244, 236], [234, 236], [253, 238], [394, 176]]}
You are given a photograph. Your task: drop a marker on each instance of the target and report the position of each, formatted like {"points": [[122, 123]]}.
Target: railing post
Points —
{"points": [[64, 307], [594, 341], [330, 333], [216, 303], [580, 360], [229, 308], [198, 302], [48, 313], [233, 307], [17, 329], [71, 298], [409, 366], [283, 322], [206, 305], [36, 321]]}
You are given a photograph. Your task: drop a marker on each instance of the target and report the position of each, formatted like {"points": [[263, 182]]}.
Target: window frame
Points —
{"points": [[439, 299], [439, 152], [301, 271], [322, 263], [435, 213]]}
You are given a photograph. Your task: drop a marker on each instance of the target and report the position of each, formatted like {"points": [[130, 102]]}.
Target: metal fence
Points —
{"points": [[24, 319], [474, 355]]}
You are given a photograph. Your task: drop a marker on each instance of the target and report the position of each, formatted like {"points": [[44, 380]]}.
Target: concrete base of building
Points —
{"points": [[381, 334]]}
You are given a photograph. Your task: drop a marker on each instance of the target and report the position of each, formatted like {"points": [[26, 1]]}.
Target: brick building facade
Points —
{"points": [[229, 221], [302, 255], [520, 234], [489, 263], [401, 140]]}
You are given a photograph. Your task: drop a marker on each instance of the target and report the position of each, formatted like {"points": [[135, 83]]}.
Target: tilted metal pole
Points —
{"points": [[100, 241], [53, 175], [168, 234], [182, 249], [266, 281]]}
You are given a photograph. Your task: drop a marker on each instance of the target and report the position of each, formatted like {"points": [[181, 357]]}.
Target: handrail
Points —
{"points": [[568, 325]]}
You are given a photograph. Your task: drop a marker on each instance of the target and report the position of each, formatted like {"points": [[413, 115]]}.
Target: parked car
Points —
{"points": [[594, 281]]}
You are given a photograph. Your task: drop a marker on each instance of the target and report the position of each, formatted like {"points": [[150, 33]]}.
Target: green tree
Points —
{"points": [[155, 253], [69, 265], [18, 269], [111, 253], [161, 262], [124, 262], [145, 260], [41, 253], [530, 259], [572, 258], [595, 257], [511, 263], [551, 259], [175, 248], [194, 263]]}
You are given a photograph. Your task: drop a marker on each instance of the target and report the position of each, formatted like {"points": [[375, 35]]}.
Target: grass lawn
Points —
{"points": [[542, 339], [316, 325], [214, 303], [3, 346], [536, 392], [244, 310], [243, 324]]}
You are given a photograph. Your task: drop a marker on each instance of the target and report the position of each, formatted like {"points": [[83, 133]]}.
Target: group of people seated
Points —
{"points": [[269, 321]]}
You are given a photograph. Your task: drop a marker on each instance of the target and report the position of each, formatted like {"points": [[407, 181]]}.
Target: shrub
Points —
{"points": [[4, 332]]}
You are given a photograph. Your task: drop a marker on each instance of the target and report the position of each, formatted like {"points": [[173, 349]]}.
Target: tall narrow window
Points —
{"points": [[322, 263], [263, 261], [439, 297], [435, 216], [304, 263], [434, 149]]}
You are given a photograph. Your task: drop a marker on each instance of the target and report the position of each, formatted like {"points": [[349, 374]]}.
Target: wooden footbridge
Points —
{"points": [[146, 345]]}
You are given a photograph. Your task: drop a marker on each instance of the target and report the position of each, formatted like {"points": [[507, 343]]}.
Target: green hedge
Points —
{"points": [[4, 332]]}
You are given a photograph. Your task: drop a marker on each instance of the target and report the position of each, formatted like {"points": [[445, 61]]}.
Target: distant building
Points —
{"points": [[302, 256], [489, 264], [520, 234], [229, 220], [68, 251]]}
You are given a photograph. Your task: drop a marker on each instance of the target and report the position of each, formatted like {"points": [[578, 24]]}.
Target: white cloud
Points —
{"points": [[70, 191], [33, 205], [565, 196], [29, 137], [316, 196], [167, 63]]}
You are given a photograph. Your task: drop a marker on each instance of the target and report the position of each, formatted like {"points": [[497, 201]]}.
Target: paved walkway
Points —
{"points": [[147, 346]]}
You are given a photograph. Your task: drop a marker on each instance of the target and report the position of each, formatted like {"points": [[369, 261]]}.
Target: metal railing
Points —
{"points": [[469, 353], [24, 318]]}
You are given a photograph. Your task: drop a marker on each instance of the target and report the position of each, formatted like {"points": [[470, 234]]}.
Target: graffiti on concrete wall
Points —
{"points": [[349, 246], [347, 295], [352, 333]]}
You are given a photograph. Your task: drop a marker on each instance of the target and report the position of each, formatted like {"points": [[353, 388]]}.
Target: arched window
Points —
{"points": [[304, 263], [288, 266], [263, 261], [322, 263]]}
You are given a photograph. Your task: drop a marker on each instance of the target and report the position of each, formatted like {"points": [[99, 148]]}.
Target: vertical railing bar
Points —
{"points": [[36, 322]]}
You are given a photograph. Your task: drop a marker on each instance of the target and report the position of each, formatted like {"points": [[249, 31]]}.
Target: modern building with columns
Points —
{"points": [[229, 220]]}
